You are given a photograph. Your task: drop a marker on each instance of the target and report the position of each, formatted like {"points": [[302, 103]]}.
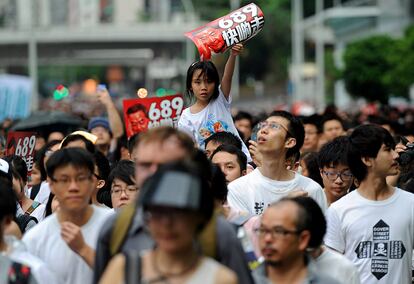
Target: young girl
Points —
{"points": [[210, 112]]}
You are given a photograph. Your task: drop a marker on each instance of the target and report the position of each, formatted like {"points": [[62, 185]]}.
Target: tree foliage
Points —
{"points": [[380, 66], [366, 63]]}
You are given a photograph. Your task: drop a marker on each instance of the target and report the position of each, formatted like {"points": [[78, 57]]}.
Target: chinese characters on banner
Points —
{"points": [[22, 144], [236, 27], [142, 114]]}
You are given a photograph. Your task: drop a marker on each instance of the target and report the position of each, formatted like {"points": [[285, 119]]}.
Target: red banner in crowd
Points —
{"points": [[22, 144], [236, 27], [142, 114]]}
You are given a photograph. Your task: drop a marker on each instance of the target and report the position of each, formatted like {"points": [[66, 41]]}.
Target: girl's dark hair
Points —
{"points": [[209, 70], [40, 158], [8, 201], [19, 167], [102, 163]]}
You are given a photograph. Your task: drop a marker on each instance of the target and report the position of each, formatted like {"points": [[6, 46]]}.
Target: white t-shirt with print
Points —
{"points": [[43, 194], [215, 117], [45, 242], [252, 193], [377, 236], [338, 267]]}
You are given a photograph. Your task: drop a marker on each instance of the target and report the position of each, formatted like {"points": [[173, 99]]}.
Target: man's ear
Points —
{"points": [[243, 172], [290, 142], [101, 183], [304, 239], [367, 161], [51, 185]]}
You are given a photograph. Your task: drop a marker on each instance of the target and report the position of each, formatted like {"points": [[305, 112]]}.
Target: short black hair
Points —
{"points": [[241, 157], [296, 130], [244, 115], [124, 170], [366, 141], [76, 137], [209, 70], [331, 116], [76, 157], [8, 201], [334, 153], [218, 184], [311, 218], [135, 108], [40, 158], [224, 138], [314, 119]]}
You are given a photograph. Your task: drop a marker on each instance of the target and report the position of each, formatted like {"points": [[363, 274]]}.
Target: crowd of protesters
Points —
{"points": [[275, 198]]}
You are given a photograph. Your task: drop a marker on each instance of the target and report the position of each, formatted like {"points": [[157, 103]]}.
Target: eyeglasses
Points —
{"points": [[129, 190], [332, 176], [272, 125], [65, 181], [275, 232]]}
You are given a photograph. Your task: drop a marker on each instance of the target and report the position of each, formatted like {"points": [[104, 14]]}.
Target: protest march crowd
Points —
{"points": [[210, 197]]}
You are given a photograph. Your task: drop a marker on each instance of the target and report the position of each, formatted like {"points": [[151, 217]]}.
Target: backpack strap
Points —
{"points": [[35, 190], [121, 227], [132, 267], [208, 237], [32, 208]]}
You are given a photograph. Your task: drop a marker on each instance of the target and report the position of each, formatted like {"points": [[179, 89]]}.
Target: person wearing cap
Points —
{"points": [[177, 204], [108, 130]]}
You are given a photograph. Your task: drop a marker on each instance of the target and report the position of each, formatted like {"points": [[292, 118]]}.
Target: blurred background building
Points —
{"points": [[334, 24]]}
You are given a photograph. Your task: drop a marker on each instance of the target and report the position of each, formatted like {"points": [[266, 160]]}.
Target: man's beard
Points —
{"points": [[273, 263]]}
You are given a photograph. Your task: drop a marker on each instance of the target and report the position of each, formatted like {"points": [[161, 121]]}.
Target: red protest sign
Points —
{"points": [[142, 114], [22, 144], [236, 27]]}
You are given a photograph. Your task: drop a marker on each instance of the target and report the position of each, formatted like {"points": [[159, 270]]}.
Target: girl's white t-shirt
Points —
{"points": [[215, 117]]}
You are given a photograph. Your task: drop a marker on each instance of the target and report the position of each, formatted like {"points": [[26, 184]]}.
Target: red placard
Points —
{"points": [[22, 144], [236, 27], [142, 114]]}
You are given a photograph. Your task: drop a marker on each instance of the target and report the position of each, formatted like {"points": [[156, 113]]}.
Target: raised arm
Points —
{"points": [[114, 118], [229, 70]]}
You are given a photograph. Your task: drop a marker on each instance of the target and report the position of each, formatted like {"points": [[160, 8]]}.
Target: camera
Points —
{"points": [[407, 156]]}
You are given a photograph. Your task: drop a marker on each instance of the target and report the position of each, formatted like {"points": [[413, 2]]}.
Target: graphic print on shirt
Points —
{"points": [[258, 208], [380, 250], [211, 126]]}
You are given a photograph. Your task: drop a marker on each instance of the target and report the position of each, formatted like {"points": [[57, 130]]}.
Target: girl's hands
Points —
{"points": [[236, 49]]}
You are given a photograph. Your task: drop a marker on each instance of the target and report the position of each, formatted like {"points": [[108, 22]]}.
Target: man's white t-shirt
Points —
{"points": [[253, 193], [377, 236], [338, 267], [45, 242], [215, 117]]}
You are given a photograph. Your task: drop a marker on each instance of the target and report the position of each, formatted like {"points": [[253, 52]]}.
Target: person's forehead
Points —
{"points": [[159, 151], [224, 157], [213, 144], [137, 113], [70, 170], [338, 167], [310, 126], [242, 121], [332, 123], [282, 214], [278, 119]]}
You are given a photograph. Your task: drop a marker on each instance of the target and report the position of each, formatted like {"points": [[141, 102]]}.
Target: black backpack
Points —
{"points": [[25, 222]]}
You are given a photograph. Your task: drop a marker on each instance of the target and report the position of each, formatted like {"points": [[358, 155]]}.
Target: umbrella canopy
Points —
{"points": [[48, 121]]}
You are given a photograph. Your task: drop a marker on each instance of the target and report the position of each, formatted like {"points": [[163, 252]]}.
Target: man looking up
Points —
{"points": [[280, 136]]}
